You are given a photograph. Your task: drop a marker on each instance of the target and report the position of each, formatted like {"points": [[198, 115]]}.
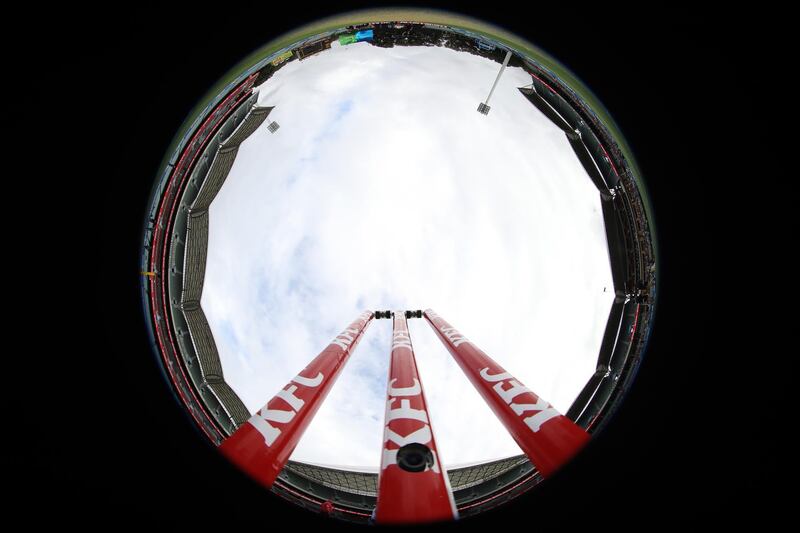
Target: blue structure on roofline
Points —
{"points": [[364, 35]]}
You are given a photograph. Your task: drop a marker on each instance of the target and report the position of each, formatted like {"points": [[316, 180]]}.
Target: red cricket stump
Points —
{"points": [[547, 437], [413, 485], [262, 445]]}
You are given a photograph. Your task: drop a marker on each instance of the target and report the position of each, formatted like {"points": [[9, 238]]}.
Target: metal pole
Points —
{"points": [[413, 486], [262, 445], [547, 437], [497, 79]]}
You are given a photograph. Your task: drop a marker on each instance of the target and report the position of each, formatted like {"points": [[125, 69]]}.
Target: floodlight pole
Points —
{"points": [[547, 437], [262, 445], [413, 485], [484, 107]]}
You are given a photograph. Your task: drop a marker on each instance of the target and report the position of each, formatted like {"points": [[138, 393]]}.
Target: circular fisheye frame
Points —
{"points": [[333, 194]]}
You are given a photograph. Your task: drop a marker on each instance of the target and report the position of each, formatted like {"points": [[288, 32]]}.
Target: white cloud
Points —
{"points": [[385, 189]]}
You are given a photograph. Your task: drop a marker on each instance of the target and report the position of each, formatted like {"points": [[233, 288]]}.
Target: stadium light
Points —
{"points": [[484, 107]]}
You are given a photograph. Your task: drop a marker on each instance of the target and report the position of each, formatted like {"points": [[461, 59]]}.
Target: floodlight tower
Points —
{"points": [[484, 107]]}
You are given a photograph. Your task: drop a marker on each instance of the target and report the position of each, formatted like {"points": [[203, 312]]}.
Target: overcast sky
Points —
{"points": [[384, 188]]}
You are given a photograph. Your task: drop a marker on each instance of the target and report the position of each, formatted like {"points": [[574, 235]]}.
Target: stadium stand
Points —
{"points": [[163, 254], [542, 105], [357, 491], [194, 264], [630, 246], [224, 147], [580, 149], [224, 157]]}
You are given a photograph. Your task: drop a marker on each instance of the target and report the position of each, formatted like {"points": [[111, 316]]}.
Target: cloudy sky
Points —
{"points": [[384, 188]]}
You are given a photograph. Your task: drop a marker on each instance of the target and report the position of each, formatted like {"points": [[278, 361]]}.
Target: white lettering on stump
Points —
{"points": [[515, 388]]}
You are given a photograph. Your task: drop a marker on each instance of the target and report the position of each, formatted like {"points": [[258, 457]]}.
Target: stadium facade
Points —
{"points": [[175, 240]]}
